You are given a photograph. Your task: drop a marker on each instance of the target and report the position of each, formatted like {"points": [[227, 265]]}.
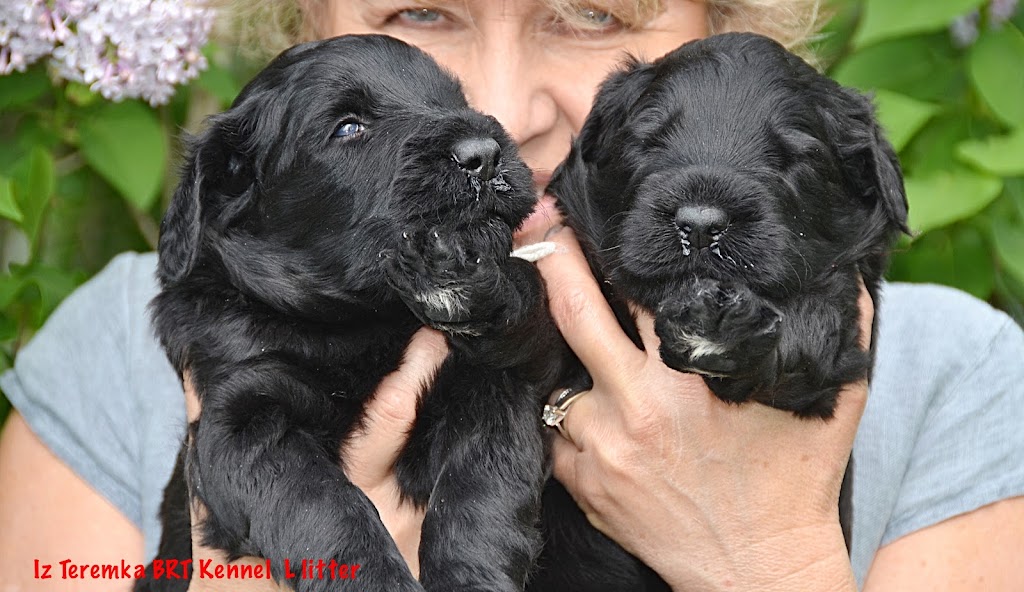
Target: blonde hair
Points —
{"points": [[265, 27]]}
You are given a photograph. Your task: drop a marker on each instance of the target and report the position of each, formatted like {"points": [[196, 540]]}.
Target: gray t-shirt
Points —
{"points": [[942, 434]]}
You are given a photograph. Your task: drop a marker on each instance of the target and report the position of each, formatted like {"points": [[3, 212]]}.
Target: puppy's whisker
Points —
{"points": [[613, 218], [796, 239]]}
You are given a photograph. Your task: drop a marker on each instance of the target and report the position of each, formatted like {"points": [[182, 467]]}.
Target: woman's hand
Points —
{"points": [[369, 460], [712, 496]]}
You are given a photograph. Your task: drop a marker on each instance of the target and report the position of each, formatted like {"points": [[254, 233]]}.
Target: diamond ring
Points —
{"points": [[556, 411]]}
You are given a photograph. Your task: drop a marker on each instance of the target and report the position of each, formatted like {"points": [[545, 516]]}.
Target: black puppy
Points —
{"points": [[740, 197], [348, 197]]}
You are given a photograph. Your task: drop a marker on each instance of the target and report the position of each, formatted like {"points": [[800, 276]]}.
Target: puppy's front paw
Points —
{"points": [[448, 284], [716, 329]]}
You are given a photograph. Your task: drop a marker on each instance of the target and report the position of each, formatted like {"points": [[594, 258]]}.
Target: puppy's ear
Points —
{"points": [[868, 160], [614, 100], [214, 169]]}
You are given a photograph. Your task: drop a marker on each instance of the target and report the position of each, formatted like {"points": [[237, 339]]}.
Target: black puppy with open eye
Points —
{"points": [[348, 197], [739, 197]]}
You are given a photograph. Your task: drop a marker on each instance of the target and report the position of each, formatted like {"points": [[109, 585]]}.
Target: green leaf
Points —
{"points": [[8, 328], [10, 287], [80, 94], [999, 155], [932, 149], [973, 269], [928, 68], [885, 19], [8, 207], [33, 179], [901, 116], [996, 65], [1015, 193], [54, 285], [955, 257], [20, 89], [944, 198], [220, 83], [125, 144], [1009, 244]]}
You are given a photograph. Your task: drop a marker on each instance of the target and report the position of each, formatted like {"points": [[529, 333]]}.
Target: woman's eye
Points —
{"points": [[348, 129], [598, 18], [420, 15], [588, 21]]}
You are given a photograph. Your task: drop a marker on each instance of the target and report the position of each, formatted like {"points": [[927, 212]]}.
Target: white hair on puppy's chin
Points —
{"points": [[449, 300]]}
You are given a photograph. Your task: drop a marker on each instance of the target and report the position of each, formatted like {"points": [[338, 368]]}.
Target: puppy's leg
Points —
{"points": [[719, 330], [476, 455], [577, 558], [486, 459], [265, 464]]}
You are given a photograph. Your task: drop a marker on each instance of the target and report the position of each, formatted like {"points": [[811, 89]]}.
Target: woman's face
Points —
{"points": [[519, 63]]}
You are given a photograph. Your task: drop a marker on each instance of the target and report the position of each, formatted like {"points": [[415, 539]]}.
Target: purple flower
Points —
{"points": [[23, 34], [964, 30], [120, 48], [1000, 11]]}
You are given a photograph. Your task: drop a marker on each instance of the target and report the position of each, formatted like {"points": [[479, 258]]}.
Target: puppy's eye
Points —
{"points": [[349, 128]]}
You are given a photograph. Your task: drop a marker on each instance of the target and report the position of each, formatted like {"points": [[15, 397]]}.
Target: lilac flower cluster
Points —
{"points": [[120, 48], [23, 37]]}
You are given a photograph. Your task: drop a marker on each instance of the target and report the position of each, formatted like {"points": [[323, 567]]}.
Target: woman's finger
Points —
{"points": [[645, 327], [867, 314], [191, 398], [371, 453], [582, 314], [579, 424], [584, 434]]}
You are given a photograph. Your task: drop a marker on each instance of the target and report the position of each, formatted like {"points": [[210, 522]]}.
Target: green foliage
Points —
{"points": [[885, 19], [956, 117], [940, 199]]}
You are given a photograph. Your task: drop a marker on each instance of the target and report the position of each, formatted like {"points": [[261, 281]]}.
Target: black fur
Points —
{"points": [[295, 265], [813, 198]]}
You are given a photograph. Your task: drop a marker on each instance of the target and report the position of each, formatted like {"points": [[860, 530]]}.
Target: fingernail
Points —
{"points": [[553, 231]]}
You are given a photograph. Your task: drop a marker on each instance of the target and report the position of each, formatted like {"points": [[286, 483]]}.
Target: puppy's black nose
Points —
{"points": [[478, 156], [700, 225]]}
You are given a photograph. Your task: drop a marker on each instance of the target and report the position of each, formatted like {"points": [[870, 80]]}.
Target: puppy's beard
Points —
{"points": [[449, 300]]}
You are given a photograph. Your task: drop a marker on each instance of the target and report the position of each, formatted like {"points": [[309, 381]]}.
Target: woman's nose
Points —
{"points": [[508, 80]]}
